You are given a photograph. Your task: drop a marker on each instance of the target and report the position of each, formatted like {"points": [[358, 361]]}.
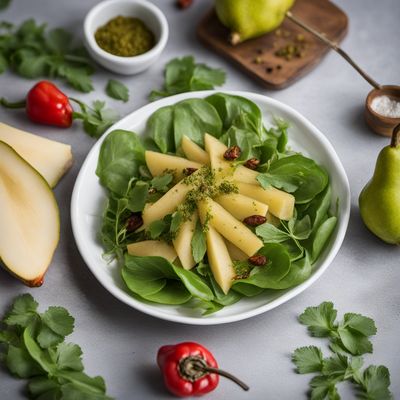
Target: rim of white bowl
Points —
{"points": [[343, 219], [148, 55]]}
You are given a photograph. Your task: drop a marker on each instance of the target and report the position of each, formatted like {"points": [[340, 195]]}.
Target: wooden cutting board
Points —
{"points": [[258, 57]]}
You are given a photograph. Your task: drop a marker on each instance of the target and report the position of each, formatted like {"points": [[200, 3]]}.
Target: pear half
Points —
{"points": [[29, 218], [52, 159]]}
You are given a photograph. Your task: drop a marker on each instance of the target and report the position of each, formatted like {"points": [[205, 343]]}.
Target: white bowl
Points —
{"points": [[89, 197], [103, 12]]}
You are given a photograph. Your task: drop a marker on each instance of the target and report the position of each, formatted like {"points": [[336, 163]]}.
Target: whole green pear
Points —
{"points": [[251, 18], [380, 199]]}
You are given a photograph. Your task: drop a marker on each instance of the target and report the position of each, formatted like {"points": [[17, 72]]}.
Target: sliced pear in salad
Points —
{"points": [[29, 218]]}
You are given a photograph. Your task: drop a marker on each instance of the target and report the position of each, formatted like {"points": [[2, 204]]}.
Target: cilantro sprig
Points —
{"points": [[32, 51], [32, 347], [96, 119], [349, 339]]}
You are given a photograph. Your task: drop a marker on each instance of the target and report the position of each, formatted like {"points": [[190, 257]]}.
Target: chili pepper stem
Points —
{"points": [[195, 367], [228, 375], [8, 104]]}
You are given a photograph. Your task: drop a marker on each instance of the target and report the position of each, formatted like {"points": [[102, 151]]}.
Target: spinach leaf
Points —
{"points": [[271, 234], [246, 140], [137, 196], [155, 279], [268, 276], [194, 118], [299, 271], [316, 243], [157, 228], [296, 174], [319, 207], [121, 154], [160, 127], [237, 111], [117, 90], [198, 243]]}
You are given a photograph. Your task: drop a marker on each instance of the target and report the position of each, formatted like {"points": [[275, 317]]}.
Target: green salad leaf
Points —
{"points": [[296, 174], [156, 279], [117, 90], [185, 75], [121, 154]]}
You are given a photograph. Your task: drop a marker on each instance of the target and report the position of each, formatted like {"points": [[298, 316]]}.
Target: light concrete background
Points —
{"points": [[120, 343]]}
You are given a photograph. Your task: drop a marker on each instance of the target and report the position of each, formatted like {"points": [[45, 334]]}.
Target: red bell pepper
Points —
{"points": [[45, 104], [189, 369]]}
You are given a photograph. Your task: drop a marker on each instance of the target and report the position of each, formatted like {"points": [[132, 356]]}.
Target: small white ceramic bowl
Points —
{"points": [[105, 11]]}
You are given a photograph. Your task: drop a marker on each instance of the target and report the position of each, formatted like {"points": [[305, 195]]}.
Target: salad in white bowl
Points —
{"points": [[210, 206]]}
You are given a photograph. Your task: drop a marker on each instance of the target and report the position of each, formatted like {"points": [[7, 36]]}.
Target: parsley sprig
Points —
{"points": [[32, 347], [349, 339], [32, 51]]}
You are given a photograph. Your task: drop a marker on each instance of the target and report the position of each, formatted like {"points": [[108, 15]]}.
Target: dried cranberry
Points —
{"points": [[189, 171], [252, 163], [255, 220], [232, 153], [134, 222], [258, 260]]}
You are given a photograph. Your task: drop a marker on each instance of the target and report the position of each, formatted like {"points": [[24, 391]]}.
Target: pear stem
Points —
{"points": [[334, 46], [395, 137]]}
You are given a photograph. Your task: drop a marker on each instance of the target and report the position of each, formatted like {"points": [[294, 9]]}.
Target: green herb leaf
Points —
{"points": [[117, 90], [161, 182], [198, 243], [184, 75], [308, 359], [320, 320], [156, 228], [96, 119], [59, 320], [4, 4], [23, 311], [271, 234], [375, 384], [69, 356], [20, 363], [323, 387]]}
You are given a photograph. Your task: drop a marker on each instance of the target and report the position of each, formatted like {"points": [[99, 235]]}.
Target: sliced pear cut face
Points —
{"points": [[29, 218], [156, 248], [50, 158], [194, 152], [159, 163]]}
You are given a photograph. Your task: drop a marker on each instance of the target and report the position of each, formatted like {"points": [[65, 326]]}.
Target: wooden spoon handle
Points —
{"points": [[335, 47]]}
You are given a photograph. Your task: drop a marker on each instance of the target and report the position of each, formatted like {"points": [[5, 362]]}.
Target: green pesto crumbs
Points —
{"points": [[125, 37]]}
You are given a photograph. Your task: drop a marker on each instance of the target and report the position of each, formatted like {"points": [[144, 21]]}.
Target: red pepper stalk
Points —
{"points": [[189, 369], [45, 104]]}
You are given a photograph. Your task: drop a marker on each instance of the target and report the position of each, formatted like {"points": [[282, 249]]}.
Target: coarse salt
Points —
{"points": [[386, 106]]}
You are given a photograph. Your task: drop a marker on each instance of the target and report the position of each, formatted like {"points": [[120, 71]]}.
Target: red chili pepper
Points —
{"points": [[45, 104], [189, 369]]}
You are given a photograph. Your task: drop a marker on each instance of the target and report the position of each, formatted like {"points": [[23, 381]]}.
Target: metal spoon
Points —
{"points": [[377, 122]]}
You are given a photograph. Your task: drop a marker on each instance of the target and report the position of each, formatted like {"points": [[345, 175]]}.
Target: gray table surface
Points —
{"points": [[120, 343]]}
